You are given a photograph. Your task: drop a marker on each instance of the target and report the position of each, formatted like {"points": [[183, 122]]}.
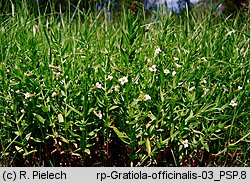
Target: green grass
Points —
{"points": [[62, 102]]}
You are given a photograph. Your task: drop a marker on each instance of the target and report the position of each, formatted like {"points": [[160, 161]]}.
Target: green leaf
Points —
{"points": [[19, 149], [35, 139], [64, 139], [27, 137], [60, 118], [75, 110], [182, 126], [148, 146], [113, 107], [40, 118], [172, 129], [73, 134], [45, 108], [30, 152], [190, 116], [87, 151], [121, 135], [206, 147]]}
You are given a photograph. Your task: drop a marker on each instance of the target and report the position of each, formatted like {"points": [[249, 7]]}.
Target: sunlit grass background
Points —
{"points": [[81, 89]]}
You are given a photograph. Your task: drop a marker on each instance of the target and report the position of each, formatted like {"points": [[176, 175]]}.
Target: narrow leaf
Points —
{"points": [[40, 118]]}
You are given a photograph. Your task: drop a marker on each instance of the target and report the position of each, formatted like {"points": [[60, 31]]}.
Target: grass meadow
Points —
{"points": [[81, 89]]}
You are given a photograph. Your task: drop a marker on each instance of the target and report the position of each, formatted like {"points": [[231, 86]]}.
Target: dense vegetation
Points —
{"points": [[82, 89]]}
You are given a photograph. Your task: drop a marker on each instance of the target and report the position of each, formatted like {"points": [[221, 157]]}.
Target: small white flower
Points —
{"points": [[138, 51], [123, 80], [96, 69], [117, 88], [57, 73], [98, 85], [110, 77], [147, 97], [175, 58], [166, 71], [185, 143], [22, 111], [157, 51], [12, 81], [205, 90], [149, 59], [204, 81], [233, 103], [230, 32], [27, 95], [35, 28], [239, 87], [99, 115], [28, 74], [191, 89], [180, 83], [173, 73], [153, 68], [54, 94], [177, 65]]}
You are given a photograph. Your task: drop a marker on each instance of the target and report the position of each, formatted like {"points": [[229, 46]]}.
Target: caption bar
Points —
{"points": [[119, 174]]}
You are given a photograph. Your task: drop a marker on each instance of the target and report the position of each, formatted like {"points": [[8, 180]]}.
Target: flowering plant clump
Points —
{"points": [[92, 89]]}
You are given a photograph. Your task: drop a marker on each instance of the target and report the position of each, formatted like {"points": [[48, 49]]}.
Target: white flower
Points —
{"points": [[147, 97], [117, 88], [239, 87], [191, 89], [233, 103], [205, 90], [180, 83], [99, 115], [204, 81], [175, 58], [54, 94], [98, 85], [138, 51], [173, 73], [177, 65], [230, 32], [57, 73], [123, 80], [185, 143], [110, 77], [149, 60], [27, 95], [22, 111], [153, 68], [157, 51], [166, 71]]}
